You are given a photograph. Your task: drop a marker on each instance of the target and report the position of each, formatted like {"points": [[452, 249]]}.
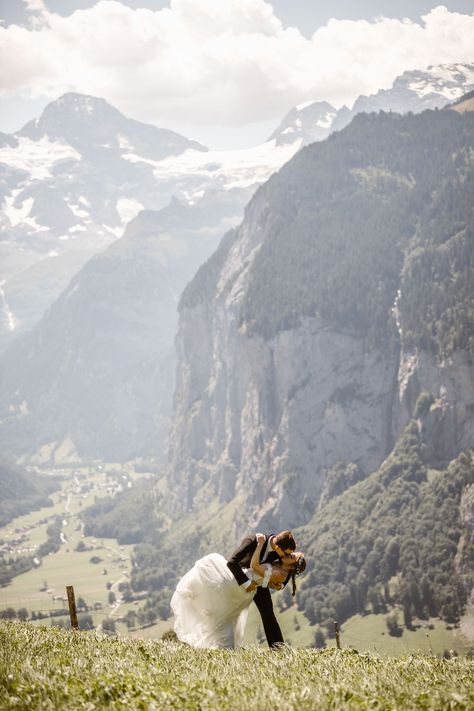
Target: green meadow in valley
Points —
{"points": [[58, 669]]}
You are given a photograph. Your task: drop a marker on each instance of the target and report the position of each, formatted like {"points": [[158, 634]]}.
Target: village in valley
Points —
{"points": [[98, 569]]}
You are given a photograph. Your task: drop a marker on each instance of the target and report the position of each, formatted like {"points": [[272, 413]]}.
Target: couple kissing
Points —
{"points": [[211, 601]]}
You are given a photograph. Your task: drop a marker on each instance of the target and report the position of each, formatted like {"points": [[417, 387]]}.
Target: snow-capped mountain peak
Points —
{"points": [[89, 124], [415, 90], [307, 122], [446, 81], [74, 177]]}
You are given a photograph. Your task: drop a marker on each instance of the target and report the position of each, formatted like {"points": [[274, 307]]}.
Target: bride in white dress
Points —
{"points": [[210, 609]]}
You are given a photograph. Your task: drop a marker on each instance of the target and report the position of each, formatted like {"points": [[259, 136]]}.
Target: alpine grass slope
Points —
{"points": [[54, 669]]}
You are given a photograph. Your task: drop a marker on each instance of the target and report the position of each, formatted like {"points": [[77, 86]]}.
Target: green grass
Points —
{"points": [[369, 633], [366, 633], [295, 628], [66, 567], [58, 669]]}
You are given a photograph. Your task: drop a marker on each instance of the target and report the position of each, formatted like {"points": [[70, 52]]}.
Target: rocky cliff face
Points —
{"points": [[262, 418], [448, 424]]}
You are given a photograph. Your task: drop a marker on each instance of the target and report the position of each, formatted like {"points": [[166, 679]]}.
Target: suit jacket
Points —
{"points": [[242, 556]]}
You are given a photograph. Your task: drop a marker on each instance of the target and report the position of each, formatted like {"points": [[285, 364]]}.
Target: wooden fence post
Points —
{"points": [[72, 607], [336, 631]]}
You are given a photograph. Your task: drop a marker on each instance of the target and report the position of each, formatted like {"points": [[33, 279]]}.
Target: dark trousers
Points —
{"points": [[263, 601]]}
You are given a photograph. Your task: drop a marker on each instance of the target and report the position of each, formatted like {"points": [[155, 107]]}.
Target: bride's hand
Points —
{"points": [[260, 538], [251, 587]]}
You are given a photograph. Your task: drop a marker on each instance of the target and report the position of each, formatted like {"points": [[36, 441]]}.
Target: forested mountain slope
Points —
{"points": [[346, 292], [396, 537]]}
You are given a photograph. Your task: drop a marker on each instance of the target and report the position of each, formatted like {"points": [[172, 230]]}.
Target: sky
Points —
{"points": [[223, 72]]}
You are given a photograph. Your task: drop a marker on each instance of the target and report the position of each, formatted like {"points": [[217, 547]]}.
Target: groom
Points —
{"points": [[274, 548]]}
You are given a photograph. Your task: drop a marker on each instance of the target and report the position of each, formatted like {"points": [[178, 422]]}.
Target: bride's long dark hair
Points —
{"points": [[299, 567]]}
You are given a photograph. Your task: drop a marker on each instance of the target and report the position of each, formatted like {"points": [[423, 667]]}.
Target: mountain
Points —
{"points": [[94, 378], [308, 123], [74, 178], [308, 337], [415, 90], [84, 161], [118, 169], [93, 127], [80, 172], [71, 181]]}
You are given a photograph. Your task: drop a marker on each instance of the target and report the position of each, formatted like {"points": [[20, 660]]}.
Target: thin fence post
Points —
{"points": [[72, 607], [336, 631]]}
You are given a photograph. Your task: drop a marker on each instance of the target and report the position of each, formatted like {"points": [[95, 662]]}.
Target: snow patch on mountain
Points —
{"points": [[20, 214], [77, 210], [5, 312], [448, 81], [307, 122], [229, 169], [128, 209], [326, 120], [17, 214], [37, 157], [73, 229]]}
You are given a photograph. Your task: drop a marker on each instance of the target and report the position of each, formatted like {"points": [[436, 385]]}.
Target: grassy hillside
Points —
{"points": [[55, 669], [365, 633]]}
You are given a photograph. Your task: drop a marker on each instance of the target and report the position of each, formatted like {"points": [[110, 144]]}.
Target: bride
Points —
{"points": [[210, 609]]}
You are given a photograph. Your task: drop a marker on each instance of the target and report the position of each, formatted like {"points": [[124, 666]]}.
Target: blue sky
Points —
{"points": [[307, 15], [221, 71]]}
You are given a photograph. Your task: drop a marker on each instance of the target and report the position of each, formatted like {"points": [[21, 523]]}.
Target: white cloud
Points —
{"points": [[218, 61], [34, 5]]}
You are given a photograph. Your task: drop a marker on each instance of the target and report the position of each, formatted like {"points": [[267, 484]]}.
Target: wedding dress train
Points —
{"points": [[209, 607]]}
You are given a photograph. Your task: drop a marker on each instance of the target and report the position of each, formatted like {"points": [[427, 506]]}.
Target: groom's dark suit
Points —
{"points": [[239, 559]]}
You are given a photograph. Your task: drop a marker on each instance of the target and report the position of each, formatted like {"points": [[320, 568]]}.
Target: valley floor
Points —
{"points": [[94, 571]]}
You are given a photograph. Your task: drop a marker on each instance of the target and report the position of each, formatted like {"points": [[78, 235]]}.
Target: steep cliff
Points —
{"points": [[308, 337]]}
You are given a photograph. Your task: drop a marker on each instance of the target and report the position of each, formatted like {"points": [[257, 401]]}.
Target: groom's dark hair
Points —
{"points": [[285, 540]]}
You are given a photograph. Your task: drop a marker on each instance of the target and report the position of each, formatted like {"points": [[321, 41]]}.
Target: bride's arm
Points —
{"points": [[255, 561]]}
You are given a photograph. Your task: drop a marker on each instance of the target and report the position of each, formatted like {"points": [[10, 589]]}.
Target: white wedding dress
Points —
{"points": [[210, 607]]}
